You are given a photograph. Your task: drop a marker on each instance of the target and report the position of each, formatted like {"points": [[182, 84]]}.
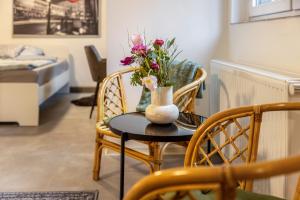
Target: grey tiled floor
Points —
{"points": [[58, 155]]}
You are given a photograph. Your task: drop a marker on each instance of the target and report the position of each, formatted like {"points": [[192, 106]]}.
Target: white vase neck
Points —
{"points": [[162, 96]]}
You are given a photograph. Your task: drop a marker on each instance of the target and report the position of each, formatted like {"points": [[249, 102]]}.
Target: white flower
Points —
{"points": [[150, 82], [137, 39]]}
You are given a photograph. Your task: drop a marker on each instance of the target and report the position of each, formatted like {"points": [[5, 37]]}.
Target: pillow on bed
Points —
{"points": [[32, 51], [10, 50]]}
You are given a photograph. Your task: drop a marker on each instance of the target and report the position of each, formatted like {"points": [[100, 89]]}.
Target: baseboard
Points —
{"points": [[82, 89]]}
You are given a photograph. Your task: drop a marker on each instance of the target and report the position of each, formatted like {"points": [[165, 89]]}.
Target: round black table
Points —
{"points": [[135, 126]]}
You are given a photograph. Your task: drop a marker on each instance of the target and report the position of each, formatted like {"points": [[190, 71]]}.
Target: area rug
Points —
{"points": [[81, 195]]}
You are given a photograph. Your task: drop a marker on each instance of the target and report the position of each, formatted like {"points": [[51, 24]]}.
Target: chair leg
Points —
{"points": [[95, 99], [151, 151], [156, 156], [97, 159], [162, 150]]}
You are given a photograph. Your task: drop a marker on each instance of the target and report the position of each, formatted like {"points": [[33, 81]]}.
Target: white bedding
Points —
{"points": [[32, 58], [13, 64]]}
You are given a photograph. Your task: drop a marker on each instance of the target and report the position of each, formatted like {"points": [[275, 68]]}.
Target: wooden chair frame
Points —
{"points": [[222, 179], [112, 102]]}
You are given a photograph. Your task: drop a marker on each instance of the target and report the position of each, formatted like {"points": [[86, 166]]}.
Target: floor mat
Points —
{"points": [[80, 195], [84, 101]]}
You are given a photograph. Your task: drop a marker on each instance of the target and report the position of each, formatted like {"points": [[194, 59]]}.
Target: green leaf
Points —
{"points": [[175, 56], [170, 43]]}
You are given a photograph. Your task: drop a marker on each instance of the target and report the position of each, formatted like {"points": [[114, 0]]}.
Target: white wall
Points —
{"points": [[197, 25], [272, 44], [80, 71]]}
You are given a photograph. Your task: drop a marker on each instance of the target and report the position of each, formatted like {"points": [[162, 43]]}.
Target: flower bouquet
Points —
{"points": [[154, 60]]}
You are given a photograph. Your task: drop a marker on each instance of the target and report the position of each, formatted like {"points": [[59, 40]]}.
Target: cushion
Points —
{"points": [[144, 100], [197, 194], [32, 51], [10, 51], [180, 73]]}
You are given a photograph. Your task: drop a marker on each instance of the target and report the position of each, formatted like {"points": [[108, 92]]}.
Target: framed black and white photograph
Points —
{"points": [[56, 18]]}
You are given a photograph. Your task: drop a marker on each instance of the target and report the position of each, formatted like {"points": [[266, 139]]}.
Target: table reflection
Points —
{"points": [[166, 129], [185, 121]]}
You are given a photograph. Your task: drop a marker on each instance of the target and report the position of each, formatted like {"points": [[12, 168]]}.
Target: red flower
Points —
{"points": [[127, 61], [159, 42], [154, 66], [139, 49]]}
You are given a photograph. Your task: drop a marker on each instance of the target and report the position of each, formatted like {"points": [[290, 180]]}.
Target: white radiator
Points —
{"points": [[234, 85]]}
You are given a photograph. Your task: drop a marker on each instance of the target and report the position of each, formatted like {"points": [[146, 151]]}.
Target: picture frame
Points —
{"points": [[56, 18]]}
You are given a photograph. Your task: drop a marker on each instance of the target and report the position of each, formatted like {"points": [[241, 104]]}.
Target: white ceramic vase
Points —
{"points": [[162, 110]]}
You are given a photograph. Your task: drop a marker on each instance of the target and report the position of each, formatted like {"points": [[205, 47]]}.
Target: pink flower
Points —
{"points": [[137, 39], [154, 66], [139, 49], [127, 61], [158, 42], [150, 82]]}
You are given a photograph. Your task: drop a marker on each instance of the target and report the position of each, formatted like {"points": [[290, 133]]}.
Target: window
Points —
{"points": [[255, 10], [267, 7], [256, 3]]}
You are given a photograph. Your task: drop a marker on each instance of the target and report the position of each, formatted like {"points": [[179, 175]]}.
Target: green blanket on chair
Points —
{"points": [[181, 74]]}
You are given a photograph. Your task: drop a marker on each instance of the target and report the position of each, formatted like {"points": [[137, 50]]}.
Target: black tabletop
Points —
{"points": [[137, 127]]}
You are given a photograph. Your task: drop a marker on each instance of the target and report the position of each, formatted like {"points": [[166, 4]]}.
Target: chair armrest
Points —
{"points": [[173, 180], [190, 88]]}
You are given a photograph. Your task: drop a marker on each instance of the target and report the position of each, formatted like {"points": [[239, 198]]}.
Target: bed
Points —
{"points": [[22, 91]]}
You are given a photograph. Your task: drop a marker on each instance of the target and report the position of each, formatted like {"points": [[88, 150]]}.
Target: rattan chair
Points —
{"points": [[231, 136], [112, 102], [219, 182], [228, 137]]}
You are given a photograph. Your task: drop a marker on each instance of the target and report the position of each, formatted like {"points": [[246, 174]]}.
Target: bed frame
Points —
{"points": [[20, 102]]}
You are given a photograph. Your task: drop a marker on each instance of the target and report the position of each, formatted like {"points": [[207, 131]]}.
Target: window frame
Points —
{"points": [[296, 4], [277, 6]]}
